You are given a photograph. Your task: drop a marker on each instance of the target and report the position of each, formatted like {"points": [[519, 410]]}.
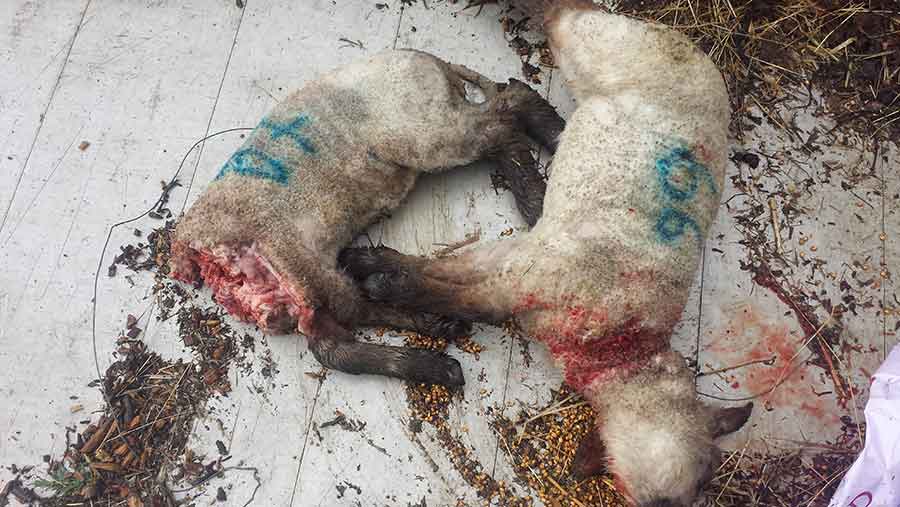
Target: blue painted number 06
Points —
{"points": [[680, 177]]}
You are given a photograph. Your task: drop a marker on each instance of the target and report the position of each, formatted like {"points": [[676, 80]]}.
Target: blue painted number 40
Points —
{"points": [[259, 164]]}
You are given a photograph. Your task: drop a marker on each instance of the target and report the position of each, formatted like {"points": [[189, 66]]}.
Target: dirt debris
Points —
{"points": [[430, 404], [849, 51], [808, 474], [774, 206], [22, 493], [341, 420], [764, 48], [133, 451], [541, 447], [529, 45], [143, 429], [152, 255]]}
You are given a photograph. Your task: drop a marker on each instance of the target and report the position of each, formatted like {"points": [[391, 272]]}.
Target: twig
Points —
{"points": [[554, 411], [351, 43], [171, 393], [512, 456], [783, 376], [733, 471], [219, 474], [768, 362], [564, 492], [835, 476], [773, 213], [837, 384], [120, 435], [452, 247], [828, 352]]}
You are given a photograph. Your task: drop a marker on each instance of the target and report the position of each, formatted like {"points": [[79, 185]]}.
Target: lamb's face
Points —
{"points": [[659, 439], [661, 466]]}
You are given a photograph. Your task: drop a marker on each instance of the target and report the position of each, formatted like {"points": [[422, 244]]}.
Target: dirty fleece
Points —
{"points": [[631, 223], [323, 165], [603, 277], [635, 187]]}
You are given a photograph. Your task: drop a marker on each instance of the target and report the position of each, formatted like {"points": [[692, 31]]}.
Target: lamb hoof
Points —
{"points": [[452, 373], [386, 287], [432, 367], [445, 327], [364, 261]]}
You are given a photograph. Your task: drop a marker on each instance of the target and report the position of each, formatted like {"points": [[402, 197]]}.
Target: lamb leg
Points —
{"points": [[512, 118], [334, 347], [519, 171], [436, 326], [538, 120], [537, 116], [454, 287]]}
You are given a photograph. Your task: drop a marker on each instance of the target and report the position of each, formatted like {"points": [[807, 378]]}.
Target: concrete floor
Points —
{"points": [[141, 81]]}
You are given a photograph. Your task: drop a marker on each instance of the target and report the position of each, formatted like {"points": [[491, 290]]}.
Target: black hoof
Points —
{"points": [[445, 327], [455, 376], [386, 287], [415, 365], [431, 367], [531, 205], [364, 261], [448, 372]]}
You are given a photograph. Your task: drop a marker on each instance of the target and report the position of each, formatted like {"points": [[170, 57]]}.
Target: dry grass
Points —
{"points": [[848, 50], [541, 448], [798, 475]]}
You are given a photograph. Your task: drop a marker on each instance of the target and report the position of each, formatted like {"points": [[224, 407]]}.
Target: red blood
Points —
{"points": [[772, 339], [530, 302], [586, 357], [788, 372], [244, 283], [701, 150], [815, 410]]}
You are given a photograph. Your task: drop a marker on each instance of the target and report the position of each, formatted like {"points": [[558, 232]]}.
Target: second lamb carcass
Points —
{"points": [[604, 276]]}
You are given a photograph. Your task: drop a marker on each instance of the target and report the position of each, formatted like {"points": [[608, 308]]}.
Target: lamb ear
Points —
{"points": [[728, 420], [590, 458]]}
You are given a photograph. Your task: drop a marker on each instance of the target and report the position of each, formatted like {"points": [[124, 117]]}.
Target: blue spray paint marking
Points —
{"points": [[258, 164], [680, 162], [255, 163], [679, 176], [671, 225], [290, 129]]}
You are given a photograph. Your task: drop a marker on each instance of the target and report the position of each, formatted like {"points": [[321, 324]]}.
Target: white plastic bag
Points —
{"points": [[874, 478]]}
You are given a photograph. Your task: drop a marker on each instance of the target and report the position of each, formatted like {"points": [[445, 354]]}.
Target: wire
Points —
{"points": [[170, 185]]}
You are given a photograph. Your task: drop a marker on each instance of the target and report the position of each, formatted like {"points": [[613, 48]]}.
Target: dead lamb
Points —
{"points": [[603, 277], [326, 163]]}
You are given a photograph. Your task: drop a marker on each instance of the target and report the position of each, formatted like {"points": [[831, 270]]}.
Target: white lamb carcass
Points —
{"points": [[604, 276]]}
